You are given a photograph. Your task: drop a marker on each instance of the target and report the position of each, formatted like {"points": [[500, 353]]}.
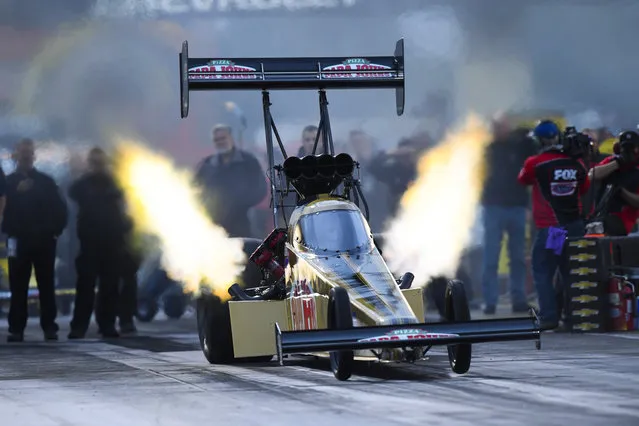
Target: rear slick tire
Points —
{"points": [[214, 329], [340, 317], [457, 310]]}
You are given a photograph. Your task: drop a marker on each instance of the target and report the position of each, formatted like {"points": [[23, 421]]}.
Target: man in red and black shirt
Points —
{"points": [[621, 173], [558, 180]]}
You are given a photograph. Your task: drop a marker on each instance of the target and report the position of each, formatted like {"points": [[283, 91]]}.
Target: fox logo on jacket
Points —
{"points": [[566, 174]]}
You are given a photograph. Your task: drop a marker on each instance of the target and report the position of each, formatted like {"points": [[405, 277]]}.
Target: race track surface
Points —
{"points": [[160, 378]]}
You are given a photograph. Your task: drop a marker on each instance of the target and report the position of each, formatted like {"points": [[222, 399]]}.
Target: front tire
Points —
{"points": [[340, 317], [457, 310]]}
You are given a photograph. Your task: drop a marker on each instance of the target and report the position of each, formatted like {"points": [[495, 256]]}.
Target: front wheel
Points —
{"points": [[340, 317], [457, 310]]}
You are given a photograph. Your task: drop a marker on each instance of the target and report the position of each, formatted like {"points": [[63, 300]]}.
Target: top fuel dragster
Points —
{"points": [[324, 285]]}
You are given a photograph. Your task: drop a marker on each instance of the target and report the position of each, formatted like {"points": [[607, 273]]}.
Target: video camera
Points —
{"points": [[577, 144]]}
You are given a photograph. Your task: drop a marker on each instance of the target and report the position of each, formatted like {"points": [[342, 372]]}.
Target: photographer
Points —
{"points": [[559, 179], [618, 201]]}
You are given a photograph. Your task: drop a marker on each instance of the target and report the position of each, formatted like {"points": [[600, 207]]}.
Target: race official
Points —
{"points": [[559, 180], [232, 181], [102, 228], [620, 172], [34, 217]]}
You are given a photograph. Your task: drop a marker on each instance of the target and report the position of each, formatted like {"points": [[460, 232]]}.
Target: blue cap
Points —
{"points": [[546, 130]]}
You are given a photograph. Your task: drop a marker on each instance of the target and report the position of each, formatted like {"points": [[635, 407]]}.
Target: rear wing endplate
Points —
{"points": [[354, 72]]}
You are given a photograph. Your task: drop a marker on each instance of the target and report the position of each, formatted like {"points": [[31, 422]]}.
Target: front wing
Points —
{"points": [[413, 335]]}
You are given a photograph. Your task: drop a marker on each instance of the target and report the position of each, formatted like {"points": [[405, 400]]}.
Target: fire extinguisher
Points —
{"points": [[628, 298], [617, 307]]}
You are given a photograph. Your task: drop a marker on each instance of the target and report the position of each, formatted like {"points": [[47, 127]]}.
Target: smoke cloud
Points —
{"points": [[436, 213], [165, 205], [109, 64]]}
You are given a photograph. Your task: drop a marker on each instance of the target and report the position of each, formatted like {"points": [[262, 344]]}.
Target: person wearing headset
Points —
{"points": [[559, 181]]}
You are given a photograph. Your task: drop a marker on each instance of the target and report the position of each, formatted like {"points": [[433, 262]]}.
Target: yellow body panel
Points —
{"points": [[253, 322], [253, 326], [415, 298]]}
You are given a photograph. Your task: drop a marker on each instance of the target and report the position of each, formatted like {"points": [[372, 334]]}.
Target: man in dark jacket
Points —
{"points": [[233, 182], [505, 204], [102, 228], [34, 217]]}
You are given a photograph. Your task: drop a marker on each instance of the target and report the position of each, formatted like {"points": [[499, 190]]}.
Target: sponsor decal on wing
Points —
{"points": [[408, 334], [222, 69], [358, 65]]}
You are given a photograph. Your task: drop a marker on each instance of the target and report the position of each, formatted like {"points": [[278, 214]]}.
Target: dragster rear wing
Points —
{"points": [[411, 335], [354, 72]]}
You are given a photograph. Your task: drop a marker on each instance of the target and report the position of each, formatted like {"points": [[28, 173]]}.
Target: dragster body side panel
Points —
{"points": [[252, 322]]}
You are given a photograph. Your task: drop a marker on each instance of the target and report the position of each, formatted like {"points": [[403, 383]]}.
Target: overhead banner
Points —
{"points": [[167, 8]]}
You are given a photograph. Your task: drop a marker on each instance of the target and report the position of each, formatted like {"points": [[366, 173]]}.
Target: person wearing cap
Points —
{"points": [[558, 182], [620, 171]]}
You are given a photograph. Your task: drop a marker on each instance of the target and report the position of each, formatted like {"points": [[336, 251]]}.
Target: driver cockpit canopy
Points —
{"points": [[330, 230], [318, 174]]}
